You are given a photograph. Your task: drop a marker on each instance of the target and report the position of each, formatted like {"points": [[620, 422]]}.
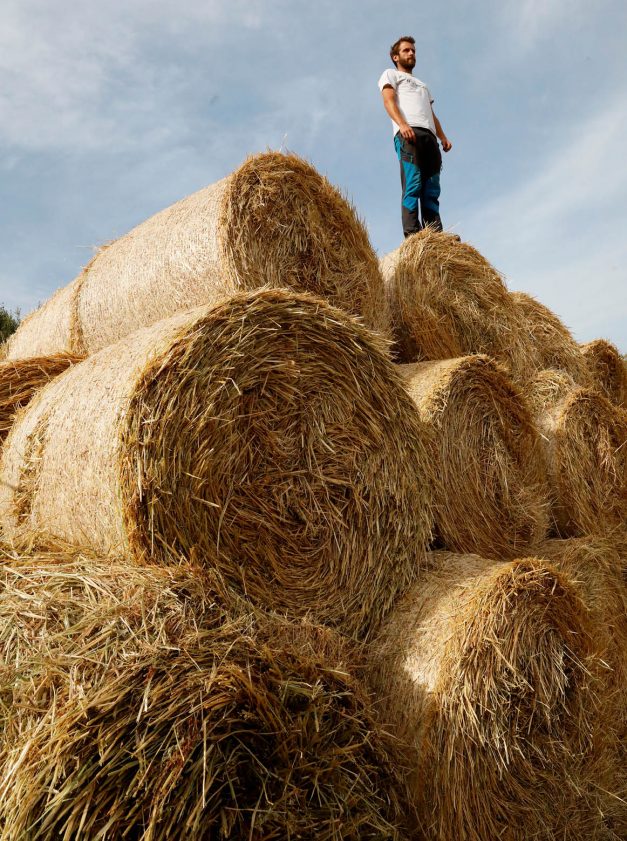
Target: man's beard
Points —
{"points": [[407, 68]]}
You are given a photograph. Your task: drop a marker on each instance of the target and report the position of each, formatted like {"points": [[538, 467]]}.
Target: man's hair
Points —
{"points": [[397, 44]]}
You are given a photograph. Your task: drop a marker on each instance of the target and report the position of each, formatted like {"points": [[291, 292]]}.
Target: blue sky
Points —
{"points": [[111, 111]]}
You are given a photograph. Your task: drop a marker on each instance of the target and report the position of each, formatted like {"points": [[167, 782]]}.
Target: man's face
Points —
{"points": [[406, 59]]}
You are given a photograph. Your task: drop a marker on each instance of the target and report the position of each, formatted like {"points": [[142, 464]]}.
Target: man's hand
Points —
{"points": [[407, 133], [446, 143]]}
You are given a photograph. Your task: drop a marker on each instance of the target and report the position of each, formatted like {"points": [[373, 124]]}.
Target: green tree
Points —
{"points": [[9, 322]]}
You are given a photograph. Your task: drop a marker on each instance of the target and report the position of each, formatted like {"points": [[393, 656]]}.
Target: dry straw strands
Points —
{"points": [[607, 369], [134, 705], [21, 379], [595, 566], [447, 300], [585, 442], [270, 436], [553, 342], [485, 669], [490, 491], [48, 330], [274, 222]]}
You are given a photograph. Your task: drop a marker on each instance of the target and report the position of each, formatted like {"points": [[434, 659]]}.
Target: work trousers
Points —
{"points": [[420, 163]]}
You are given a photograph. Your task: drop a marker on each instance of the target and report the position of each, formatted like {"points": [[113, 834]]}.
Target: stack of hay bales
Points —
{"points": [[258, 643], [483, 767]]}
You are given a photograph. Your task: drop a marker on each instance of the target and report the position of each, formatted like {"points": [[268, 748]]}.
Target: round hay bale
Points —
{"points": [[485, 668], [595, 567], [553, 342], [607, 370], [134, 705], [22, 379], [418, 332], [274, 222], [50, 329], [444, 295], [488, 473], [269, 437], [585, 442]]}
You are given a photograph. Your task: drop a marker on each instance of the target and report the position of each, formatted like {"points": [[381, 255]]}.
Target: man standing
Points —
{"points": [[408, 102]]}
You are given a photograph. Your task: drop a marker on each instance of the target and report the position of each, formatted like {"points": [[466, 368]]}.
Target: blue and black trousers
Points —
{"points": [[421, 163]]}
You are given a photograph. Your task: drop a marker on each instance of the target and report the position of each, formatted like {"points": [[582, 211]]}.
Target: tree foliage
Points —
{"points": [[9, 322]]}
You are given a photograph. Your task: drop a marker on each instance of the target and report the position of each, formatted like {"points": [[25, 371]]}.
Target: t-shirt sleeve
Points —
{"points": [[387, 78], [430, 95]]}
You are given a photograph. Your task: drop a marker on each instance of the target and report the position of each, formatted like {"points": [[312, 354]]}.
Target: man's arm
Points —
{"points": [[446, 143], [391, 106]]}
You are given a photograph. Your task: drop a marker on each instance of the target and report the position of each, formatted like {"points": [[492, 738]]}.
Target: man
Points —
{"points": [[416, 129]]}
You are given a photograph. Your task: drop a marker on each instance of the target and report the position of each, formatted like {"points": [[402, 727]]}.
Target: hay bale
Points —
{"points": [[486, 669], [22, 379], [274, 222], [585, 443], [269, 436], [447, 300], [595, 566], [554, 344], [48, 330], [607, 370], [490, 490], [134, 704]]}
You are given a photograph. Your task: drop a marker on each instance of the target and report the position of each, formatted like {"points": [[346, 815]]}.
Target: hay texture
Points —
{"points": [[585, 442], [595, 566], [21, 380], [134, 705], [555, 347], [269, 436], [485, 668], [274, 222], [447, 300], [48, 330], [489, 481], [608, 371]]}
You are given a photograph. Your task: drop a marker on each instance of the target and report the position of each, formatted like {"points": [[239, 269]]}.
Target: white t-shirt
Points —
{"points": [[413, 96]]}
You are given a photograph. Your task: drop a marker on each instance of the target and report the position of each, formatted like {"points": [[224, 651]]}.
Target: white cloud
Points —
{"points": [[75, 74], [586, 287], [560, 233], [576, 180], [527, 21]]}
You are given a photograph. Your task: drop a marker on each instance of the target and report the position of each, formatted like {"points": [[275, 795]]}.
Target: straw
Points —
{"points": [[607, 370], [488, 471], [447, 300], [553, 342], [21, 380], [135, 705], [269, 436], [487, 669], [274, 222], [585, 443], [596, 565]]}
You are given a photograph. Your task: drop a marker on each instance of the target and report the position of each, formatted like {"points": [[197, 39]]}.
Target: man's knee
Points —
{"points": [[431, 193]]}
